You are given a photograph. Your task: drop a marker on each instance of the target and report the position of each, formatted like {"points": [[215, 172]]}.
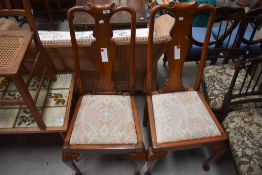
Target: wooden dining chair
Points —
{"points": [[179, 117], [105, 119], [241, 41], [217, 76], [242, 111]]}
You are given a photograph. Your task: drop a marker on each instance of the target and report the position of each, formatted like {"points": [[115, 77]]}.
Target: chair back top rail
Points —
{"points": [[228, 19], [246, 84], [7, 10], [103, 47], [178, 46], [254, 19]]}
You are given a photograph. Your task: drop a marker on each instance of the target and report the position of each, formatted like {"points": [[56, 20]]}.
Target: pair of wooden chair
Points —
{"points": [[106, 120]]}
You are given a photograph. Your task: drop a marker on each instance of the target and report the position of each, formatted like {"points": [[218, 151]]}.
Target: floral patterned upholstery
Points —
{"points": [[182, 116], [217, 79], [244, 128], [104, 119]]}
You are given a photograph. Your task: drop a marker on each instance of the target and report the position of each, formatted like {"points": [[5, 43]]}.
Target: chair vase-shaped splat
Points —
{"points": [[105, 120], [179, 117]]}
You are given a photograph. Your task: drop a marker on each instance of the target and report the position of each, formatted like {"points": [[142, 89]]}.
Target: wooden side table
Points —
{"points": [[13, 46]]}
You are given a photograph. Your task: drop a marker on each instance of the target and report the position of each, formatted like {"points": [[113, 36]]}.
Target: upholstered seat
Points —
{"points": [[104, 119], [182, 116], [217, 79], [244, 129]]}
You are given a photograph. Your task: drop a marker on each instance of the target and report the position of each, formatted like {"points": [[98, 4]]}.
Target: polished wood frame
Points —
{"points": [[180, 33], [105, 85]]}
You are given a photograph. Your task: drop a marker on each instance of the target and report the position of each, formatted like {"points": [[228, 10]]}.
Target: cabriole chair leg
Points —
{"points": [[145, 119], [140, 159], [217, 151], [69, 160], [152, 158]]}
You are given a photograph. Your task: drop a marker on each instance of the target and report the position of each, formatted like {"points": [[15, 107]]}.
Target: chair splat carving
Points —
{"points": [[103, 48], [180, 43]]}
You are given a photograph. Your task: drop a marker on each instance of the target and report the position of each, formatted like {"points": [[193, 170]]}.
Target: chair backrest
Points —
{"points": [[250, 25], [103, 48], [228, 20], [226, 32], [178, 46], [7, 10], [246, 85]]}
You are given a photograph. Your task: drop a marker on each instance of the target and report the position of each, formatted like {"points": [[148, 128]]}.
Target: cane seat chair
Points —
{"points": [[179, 117], [18, 73], [242, 111], [105, 119]]}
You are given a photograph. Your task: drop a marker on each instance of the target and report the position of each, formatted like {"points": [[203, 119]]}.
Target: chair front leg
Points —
{"points": [[145, 119], [217, 151], [69, 159], [140, 159], [152, 158], [165, 60]]}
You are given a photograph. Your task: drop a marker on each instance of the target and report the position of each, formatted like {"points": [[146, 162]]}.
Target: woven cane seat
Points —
{"points": [[13, 46]]}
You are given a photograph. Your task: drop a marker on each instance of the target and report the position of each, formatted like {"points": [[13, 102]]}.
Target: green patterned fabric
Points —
{"points": [[244, 129], [217, 79]]}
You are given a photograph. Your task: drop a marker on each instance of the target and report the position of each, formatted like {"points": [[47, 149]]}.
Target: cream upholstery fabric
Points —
{"points": [[7, 24], [182, 116], [163, 25], [104, 119], [244, 129]]}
